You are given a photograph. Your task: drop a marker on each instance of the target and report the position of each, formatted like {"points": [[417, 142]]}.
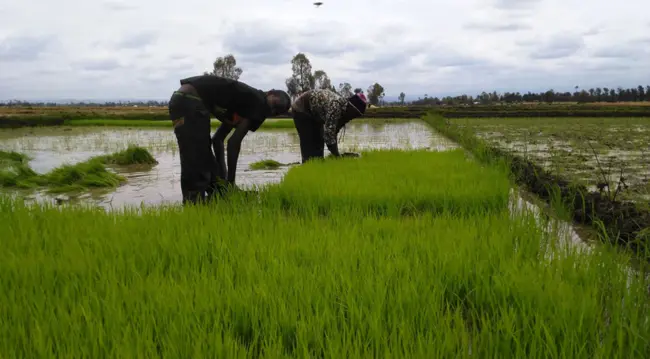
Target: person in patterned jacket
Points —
{"points": [[319, 115]]}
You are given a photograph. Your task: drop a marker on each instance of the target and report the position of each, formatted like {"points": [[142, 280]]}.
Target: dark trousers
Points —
{"points": [[192, 129], [310, 133]]}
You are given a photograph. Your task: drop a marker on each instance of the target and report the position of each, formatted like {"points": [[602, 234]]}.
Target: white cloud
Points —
{"points": [[117, 48]]}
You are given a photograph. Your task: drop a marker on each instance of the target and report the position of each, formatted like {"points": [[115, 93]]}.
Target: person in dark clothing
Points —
{"points": [[319, 115], [238, 106]]}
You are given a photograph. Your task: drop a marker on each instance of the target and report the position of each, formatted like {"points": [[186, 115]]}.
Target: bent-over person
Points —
{"points": [[237, 106], [319, 115]]}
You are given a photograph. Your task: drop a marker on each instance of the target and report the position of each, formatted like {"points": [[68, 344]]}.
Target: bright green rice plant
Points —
{"points": [[249, 281], [267, 164], [242, 279], [391, 182], [132, 155], [15, 171]]}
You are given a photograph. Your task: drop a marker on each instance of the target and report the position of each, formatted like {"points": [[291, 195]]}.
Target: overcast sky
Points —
{"points": [[140, 49]]}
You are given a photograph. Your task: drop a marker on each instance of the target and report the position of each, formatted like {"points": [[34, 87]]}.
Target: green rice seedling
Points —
{"points": [[83, 175], [132, 155], [246, 280], [15, 171], [267, 164], [391, 182], [11, 157]]}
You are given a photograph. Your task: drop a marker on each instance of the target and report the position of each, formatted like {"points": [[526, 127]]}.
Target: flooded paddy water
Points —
{"points": [[52, 147]]}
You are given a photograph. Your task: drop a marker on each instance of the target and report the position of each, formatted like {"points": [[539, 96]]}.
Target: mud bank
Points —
{"points": [[621, 223]]}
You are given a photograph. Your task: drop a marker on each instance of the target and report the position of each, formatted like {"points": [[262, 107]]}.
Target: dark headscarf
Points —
{"points": [[359, 102]]}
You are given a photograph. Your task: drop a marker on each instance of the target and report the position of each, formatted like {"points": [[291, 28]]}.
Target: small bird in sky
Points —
{"points": [[318, 4]]}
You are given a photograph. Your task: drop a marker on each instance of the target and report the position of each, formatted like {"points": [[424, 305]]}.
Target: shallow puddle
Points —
{"points": [[52, 147]]}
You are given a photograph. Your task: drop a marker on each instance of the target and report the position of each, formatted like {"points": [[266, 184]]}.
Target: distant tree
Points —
{"points": [[302, 79], [484, 98], [402, 95], [322, 81], [226, 67], [375, 94], [641, 93], [293, 88], [345, 89], [549, 96]]}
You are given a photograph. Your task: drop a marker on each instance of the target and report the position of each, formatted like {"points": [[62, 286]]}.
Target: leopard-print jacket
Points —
{"points": [[326, 106]]}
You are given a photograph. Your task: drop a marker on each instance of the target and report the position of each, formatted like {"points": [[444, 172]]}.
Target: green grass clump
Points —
{"points": [[80, 176], [267, 164], [133, 155], [15, 171], [391, 182], [12, 157]]}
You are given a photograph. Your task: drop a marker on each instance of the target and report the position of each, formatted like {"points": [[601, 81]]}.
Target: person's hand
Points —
{"points": [[235, 119], [350, 154], [232, 121]]}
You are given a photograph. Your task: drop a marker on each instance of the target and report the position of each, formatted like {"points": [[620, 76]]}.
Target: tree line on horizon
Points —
{"points": [[303, 79]]}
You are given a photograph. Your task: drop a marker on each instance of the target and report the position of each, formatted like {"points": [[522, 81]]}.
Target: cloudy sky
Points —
{"points": [[107, 49]]}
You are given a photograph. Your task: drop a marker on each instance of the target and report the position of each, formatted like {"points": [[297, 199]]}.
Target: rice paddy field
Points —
{"points": [[51, 147], [413, 250], [592, 151]]}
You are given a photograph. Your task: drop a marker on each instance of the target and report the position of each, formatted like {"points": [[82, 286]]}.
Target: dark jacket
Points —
{"points": [[224, 96]]}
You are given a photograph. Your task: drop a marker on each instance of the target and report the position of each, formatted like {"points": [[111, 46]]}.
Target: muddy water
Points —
{"points": [[52, 147]]}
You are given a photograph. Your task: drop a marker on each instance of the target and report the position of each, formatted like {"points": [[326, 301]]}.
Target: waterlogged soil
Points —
{"points": [[52, 147], [591, 151]]}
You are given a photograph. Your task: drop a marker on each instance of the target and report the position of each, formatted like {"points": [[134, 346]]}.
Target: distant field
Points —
{"points": [[145, 111], [592, 171], [591, 151], [623, 103], [160, 112]]}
